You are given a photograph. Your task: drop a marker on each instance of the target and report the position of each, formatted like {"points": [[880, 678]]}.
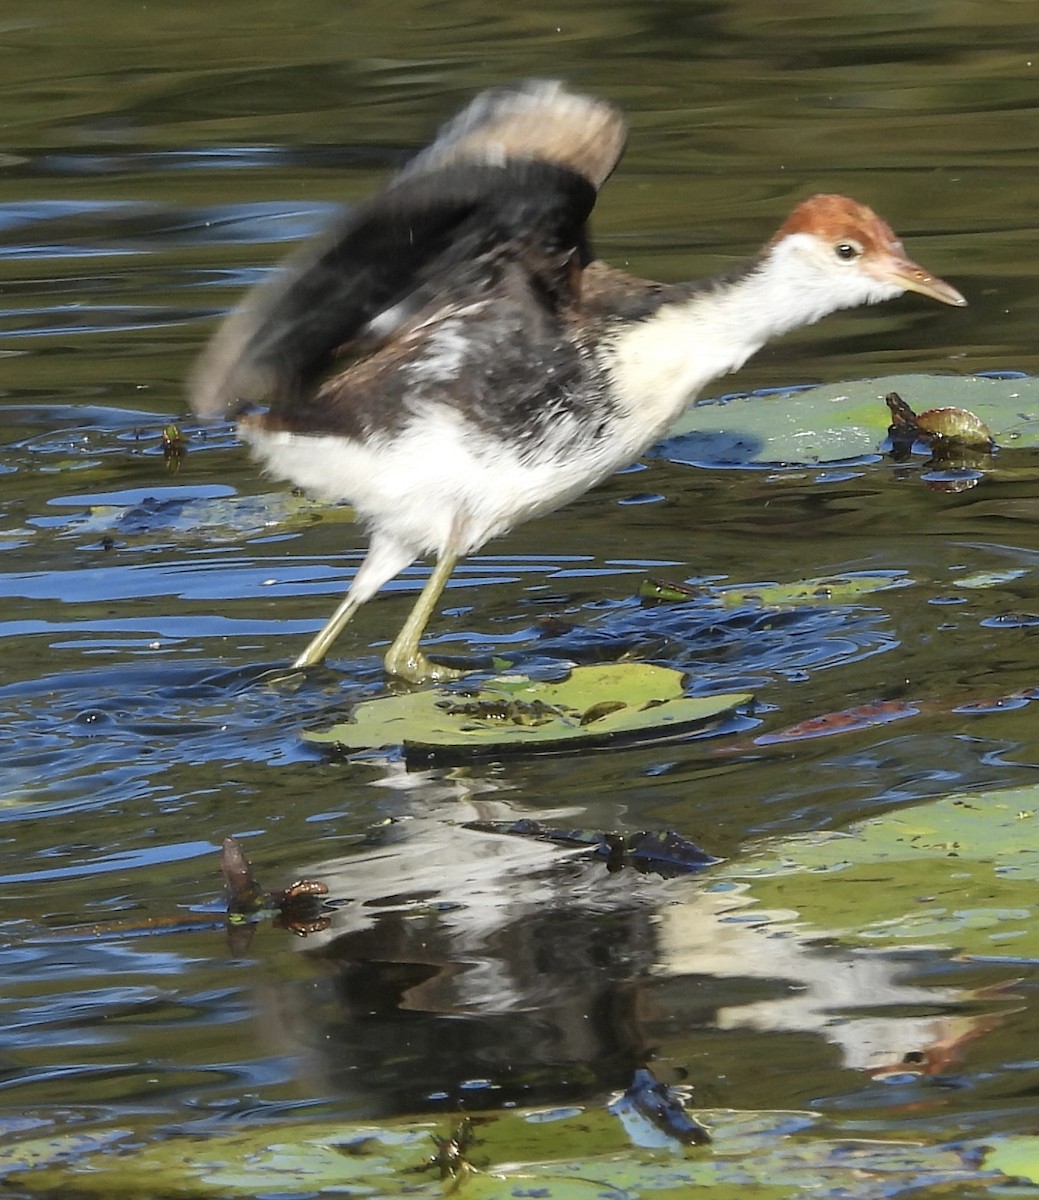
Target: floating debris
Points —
{"points": [[295, 908], [174, 447], [650, 1103], [451, 1158]]}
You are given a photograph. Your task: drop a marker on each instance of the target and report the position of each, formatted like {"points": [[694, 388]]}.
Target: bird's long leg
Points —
{"points": [[320, 645], [404, 657], [385, 558]]}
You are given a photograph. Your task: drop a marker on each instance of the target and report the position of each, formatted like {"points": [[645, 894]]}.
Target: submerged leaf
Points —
{"points": [[865, 716]]}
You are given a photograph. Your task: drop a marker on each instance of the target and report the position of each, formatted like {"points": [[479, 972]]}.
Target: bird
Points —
{"points": [[451, 358]]}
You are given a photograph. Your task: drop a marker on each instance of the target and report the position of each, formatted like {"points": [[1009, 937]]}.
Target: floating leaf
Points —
{"points": [[999, 704], [1012, 620], [573, 1153], [959, 873], [1016, 1156], [847, 420], [173, 511], [989, 579], [826, 589], [630, 701]]}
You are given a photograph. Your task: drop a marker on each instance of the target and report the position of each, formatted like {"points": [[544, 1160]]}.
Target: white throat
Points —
{"points": [[659, 365]]}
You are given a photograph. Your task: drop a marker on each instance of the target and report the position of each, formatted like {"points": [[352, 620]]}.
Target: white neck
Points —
{"points": [[659, 365]]}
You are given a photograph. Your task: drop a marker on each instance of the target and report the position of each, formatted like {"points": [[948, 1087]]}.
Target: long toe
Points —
{"points": [[416, 668]]}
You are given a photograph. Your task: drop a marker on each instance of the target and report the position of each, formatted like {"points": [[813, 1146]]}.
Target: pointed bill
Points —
{"points": [[906, 274]]}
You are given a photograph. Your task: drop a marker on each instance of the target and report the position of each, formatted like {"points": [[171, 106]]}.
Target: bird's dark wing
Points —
{"points": [[383, 264], [497, 180]]}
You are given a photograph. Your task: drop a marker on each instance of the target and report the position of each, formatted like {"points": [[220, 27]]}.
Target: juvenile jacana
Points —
{"points": [[451, 359]]}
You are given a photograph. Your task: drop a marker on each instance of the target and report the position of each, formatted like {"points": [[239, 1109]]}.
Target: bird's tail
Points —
{"points": [[537, 119]]}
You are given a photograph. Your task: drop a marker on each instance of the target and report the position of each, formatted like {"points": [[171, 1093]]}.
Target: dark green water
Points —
{"points": [[156, 159]]}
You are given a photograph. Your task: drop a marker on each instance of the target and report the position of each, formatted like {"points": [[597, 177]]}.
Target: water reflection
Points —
{"points": [[471, 969]]}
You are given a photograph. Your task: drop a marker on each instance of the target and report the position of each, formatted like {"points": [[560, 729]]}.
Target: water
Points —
{"points": [[158, 159]]}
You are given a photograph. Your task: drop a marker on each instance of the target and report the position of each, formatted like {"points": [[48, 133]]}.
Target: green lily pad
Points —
{"points": [[511, 712], [1015, 1156], [827, 589], [980, 580], [958, 873], [845, 420]]}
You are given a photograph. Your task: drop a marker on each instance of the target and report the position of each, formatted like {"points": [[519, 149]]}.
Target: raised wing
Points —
{"points": [[514, 175]]}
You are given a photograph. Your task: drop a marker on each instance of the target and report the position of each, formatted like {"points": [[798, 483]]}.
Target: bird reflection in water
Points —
{"points": [[465, 968]]}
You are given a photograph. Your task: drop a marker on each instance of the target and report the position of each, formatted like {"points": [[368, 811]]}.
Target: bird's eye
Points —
{"points": [[846, 251]]}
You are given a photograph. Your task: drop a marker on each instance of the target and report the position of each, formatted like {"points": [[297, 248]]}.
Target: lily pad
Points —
{"points": [[593, 705], [1016, 1157], [827, 589], [846, 420], [564, 1154], [958, 873]]}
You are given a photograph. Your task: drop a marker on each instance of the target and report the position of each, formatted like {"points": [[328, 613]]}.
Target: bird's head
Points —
{"points": [[844, 252]]}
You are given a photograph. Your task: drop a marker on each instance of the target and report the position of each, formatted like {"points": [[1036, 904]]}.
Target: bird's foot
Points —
{"points": [[416, 668]]}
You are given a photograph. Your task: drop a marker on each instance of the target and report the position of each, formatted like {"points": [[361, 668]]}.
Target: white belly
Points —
{"points": [[441, 483]]}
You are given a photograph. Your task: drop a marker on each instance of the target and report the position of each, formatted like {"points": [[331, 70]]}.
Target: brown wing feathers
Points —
{"points": [[514, 174]]}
